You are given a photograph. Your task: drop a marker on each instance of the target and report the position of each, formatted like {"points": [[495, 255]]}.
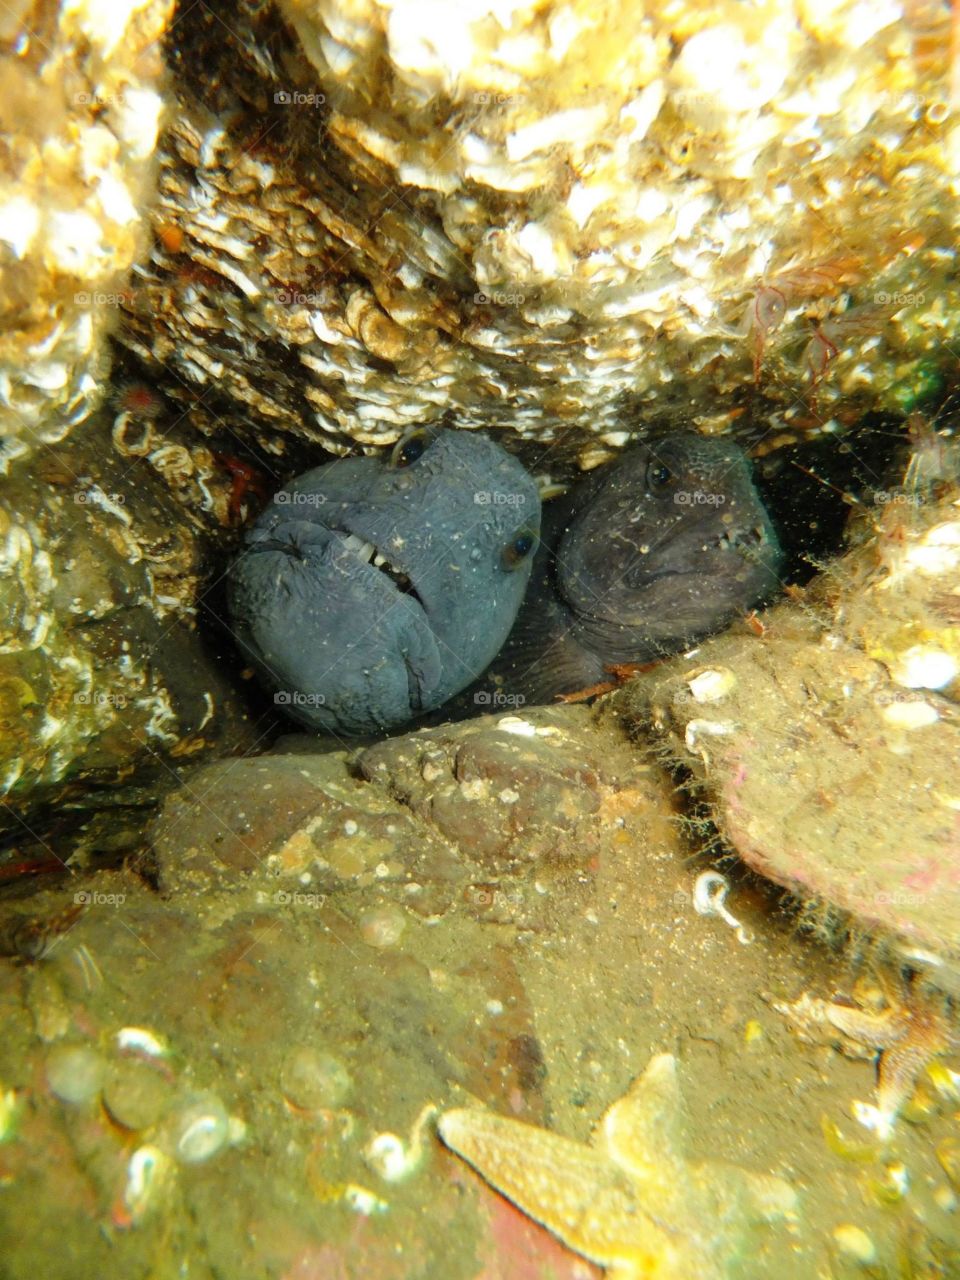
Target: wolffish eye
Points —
{"points": [[659, 477], [410, 447], [518, 549]]}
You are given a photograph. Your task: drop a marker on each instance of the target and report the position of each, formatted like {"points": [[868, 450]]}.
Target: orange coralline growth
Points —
{"points": [[591, 691], [752, 619], [170, 236], [621, 672]]}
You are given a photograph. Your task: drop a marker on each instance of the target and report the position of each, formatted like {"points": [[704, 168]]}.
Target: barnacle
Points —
{"points": [[573, 220]]}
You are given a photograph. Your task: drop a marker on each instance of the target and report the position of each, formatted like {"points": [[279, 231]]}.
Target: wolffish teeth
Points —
{"points": [[368, 553], [359, 548], [740, 539]]}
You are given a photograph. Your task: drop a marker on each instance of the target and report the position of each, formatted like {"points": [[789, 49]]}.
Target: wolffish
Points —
{"points": [[667, 544], [371, 590]]}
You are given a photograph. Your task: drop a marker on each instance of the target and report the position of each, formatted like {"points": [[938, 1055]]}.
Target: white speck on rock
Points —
{"points": [[925, 667], [910, 715], [517, 725], [706, 728]]}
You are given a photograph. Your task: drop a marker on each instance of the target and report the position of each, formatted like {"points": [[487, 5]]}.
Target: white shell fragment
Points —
{"points": [[712, 684], [202, 1129], [925, 667], [709, 893], [363, 1201], [393, 1158], [147, 1169], [516, 725], [910, 715], [705, 728], [141, 1040], [854, 1242]]}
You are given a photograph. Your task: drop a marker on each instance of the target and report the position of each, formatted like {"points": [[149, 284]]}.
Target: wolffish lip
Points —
{"points": [[659, 574], [367, 553], [746, 543]]}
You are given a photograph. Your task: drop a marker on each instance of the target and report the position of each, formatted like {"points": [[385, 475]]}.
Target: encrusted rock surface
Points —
{"points": [[558, 221], [516, 790], [456, 812], [546, 221], [102, 663], [829, 744], [81, 102]]}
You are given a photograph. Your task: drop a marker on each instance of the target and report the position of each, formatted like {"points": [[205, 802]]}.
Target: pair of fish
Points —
{"points": [[372, 590]]}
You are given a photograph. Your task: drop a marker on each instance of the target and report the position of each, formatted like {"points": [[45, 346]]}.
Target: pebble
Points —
{"points": [[854, 1243], [75, 1073], [910, 715], [924, 667], [135, 1094], [313, 1080], [382, 927]]}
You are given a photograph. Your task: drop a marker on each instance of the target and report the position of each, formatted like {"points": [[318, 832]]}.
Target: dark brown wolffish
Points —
{"points": [[666, 545]]}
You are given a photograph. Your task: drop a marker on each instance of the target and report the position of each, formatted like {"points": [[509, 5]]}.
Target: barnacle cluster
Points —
{"points": [[81, 103], [555, 219]]}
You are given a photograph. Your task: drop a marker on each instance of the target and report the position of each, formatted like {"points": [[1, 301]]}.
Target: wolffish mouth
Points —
{"points": [[367, 553]]}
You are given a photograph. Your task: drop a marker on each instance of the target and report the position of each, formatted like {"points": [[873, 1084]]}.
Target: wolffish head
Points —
{"points": [[669, 543], [373, 589]]}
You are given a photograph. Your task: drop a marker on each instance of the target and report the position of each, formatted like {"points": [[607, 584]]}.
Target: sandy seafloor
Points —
{"points": [[241, 1031]]}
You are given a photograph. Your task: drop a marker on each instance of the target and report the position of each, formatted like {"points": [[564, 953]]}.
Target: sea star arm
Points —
{"points": [[629, 1201], [567, 1186]]}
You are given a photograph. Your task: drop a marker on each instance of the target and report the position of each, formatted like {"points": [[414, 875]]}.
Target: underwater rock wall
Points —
{"points": [[555, 218], [102, 664], [81, 105]]}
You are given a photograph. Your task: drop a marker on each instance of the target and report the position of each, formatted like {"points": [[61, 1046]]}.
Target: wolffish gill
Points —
{"points": [[373, 589], [666, 545]]}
